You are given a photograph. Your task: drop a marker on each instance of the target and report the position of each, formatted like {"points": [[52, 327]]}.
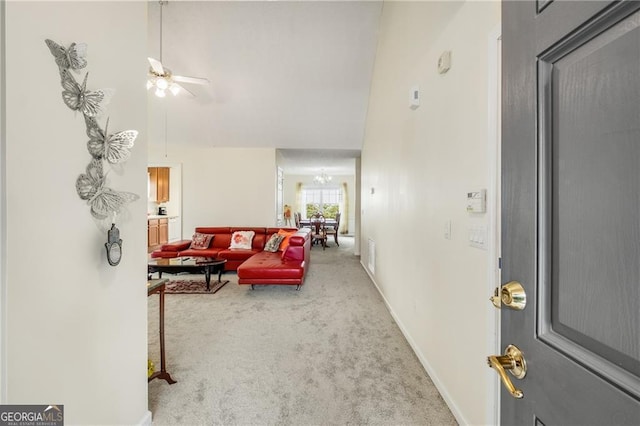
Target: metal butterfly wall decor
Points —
{"points": [[75, 57], [115, 148], [76, 97], [104, 202]]}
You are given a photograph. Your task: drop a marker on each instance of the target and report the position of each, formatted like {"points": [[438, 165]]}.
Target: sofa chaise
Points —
{"points": [[288, 267]]}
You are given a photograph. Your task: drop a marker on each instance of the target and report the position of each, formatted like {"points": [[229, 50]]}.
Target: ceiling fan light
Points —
{"points": [[175, 89], [162, 83], [160, 93], [149, 84]]}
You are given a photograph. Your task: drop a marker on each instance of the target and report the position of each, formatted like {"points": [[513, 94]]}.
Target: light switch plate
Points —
{"points": [[478, 236], [447, 230], [444, 62], [414, 97]]}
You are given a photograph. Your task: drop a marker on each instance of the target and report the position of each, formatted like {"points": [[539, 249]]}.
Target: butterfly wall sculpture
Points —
{"points": [[115, 148], [75, 57], [76, 97], [104, 202]]}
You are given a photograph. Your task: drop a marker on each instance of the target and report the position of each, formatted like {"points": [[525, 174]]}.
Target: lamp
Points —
{"points": [[322, 178]]}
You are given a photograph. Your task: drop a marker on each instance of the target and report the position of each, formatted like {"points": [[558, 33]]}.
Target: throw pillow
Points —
{"points": [[285, 241], [274, 243], [201, 241], [241, 240]]}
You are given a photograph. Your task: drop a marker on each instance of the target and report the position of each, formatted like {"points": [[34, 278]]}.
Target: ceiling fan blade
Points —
{"points": [[181, 88], [192, 80], [156, 66]]}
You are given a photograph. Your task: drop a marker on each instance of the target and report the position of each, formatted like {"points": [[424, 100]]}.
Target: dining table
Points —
{"points": [[307, 223]]}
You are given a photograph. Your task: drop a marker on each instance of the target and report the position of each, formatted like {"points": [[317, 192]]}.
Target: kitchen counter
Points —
{"points": [[161, 216]]}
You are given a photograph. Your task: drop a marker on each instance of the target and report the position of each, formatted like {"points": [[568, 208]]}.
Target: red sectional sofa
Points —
{"points": [[285, 268], [219, 247], [254, 266]]}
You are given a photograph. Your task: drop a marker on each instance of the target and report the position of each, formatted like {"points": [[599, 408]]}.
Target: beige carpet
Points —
{"points": [[329, 354]]}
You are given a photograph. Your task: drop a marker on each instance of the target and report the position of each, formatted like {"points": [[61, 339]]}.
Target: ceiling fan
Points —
{"points": [[162, 78]]}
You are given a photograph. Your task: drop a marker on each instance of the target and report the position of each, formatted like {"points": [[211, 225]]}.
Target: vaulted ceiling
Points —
{"points": [[292, 75]]}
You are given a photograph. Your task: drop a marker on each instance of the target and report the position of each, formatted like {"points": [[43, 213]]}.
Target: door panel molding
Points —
{"points": [[541, 4], [557, 388], [610, 363]]}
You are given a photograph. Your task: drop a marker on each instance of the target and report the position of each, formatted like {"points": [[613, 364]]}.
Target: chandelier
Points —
{"points": [[322, 178]]}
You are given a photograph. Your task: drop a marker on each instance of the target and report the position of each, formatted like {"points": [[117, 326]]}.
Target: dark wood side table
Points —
{"points": [[153, 287]]}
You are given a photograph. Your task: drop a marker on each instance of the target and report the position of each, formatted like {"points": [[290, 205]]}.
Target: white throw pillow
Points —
{"points": [[241, 240]]}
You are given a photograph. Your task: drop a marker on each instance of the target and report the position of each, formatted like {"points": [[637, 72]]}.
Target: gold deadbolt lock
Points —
{"points": [[511, 295], [512, 360]]}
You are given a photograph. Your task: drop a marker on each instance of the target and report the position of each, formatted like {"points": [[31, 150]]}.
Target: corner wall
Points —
{"points": [[417, 166], [223, 186], [76, 327]]}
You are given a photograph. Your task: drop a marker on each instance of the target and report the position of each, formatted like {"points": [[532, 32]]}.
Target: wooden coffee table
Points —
{"points": [[192, 265]]}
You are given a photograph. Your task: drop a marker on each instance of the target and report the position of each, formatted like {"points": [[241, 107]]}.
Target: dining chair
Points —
{"points": [[333, 229], [318, 231]]}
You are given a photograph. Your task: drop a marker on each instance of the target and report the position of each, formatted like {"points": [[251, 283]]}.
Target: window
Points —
{"points": [[324, 200]]}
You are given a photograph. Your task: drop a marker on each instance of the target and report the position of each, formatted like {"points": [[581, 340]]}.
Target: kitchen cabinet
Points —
{"points": [[163, 231], [153, 232], [158, 232], [158, 184]]}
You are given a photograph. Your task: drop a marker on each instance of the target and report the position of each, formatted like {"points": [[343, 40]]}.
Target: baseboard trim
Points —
{"points": [[423, 360], [146, 420]]}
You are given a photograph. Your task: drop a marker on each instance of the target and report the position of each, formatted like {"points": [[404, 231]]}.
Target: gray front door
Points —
{"points": [[571, 209]]}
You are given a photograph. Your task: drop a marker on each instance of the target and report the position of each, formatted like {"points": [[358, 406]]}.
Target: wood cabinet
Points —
{"points": [[158, 232], [153, 232], [159, 184], [163, 231]]}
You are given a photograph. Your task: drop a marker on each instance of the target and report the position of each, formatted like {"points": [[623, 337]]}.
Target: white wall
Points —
{"points": [[76, 328], [223, 186], [421, 163]]}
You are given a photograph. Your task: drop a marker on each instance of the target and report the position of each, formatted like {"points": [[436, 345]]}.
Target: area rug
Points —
{"points": [[193, 287]]}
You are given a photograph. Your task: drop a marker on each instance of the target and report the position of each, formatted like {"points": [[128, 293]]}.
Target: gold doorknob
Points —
{"points": [[512, 360], [511, 295]]}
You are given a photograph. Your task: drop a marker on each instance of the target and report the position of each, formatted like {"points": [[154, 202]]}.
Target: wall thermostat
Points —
{"points": [[444, 62], [477, 201]]}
